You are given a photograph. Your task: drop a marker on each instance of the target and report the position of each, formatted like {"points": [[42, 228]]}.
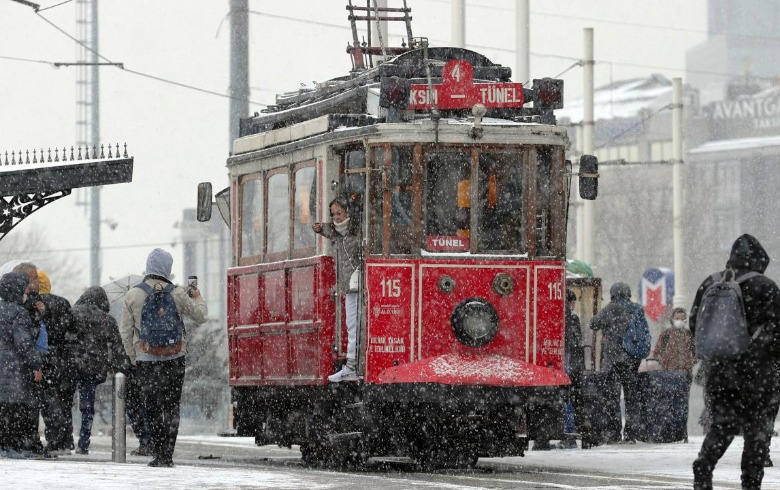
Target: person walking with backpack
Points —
{"points": [[740, 379], [155, 340], [97, 349], [618, 321]]}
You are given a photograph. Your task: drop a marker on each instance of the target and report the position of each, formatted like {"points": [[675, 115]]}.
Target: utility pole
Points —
{"points": [[459, 23], [522, 41], [239, 65], [678, 178], [88, 115], [239, 107], [587, 140]]}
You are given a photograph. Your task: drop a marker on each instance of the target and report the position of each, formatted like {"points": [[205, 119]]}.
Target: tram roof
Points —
{"points": [[358, 93]]}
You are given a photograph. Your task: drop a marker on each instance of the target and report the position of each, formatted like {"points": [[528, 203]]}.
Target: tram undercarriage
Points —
{"points": [[437, 426]]}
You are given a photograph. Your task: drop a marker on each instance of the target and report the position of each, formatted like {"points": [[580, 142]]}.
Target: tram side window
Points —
{"points": [[251, 218], [447, 200], [278, 213], [303, 234], [501, 202], [543, 224]]}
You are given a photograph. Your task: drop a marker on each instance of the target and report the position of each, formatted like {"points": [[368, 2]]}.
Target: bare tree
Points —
{"points": [[64, 270]]}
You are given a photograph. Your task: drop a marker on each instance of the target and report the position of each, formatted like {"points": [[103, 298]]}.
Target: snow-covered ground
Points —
{"points": [[68, 472]]}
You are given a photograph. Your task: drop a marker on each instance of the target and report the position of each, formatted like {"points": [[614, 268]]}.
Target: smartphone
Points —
{"points": [[192, 283]]}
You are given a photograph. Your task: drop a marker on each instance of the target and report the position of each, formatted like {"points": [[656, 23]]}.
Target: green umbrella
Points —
{"points": [[579, 267]]}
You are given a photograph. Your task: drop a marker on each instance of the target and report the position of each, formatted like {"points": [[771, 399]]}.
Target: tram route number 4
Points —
{"points": [[458, 91]]}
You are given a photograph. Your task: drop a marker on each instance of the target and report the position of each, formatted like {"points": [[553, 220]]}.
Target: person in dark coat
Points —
{"points": [[21, 364], [613, 321], [56, 395], [98, 349], [35, 307], [740, 390], [574, 365]]}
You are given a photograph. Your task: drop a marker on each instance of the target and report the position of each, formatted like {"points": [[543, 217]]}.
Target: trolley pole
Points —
{"points": [[587, 141], [678, 177], [119, 435]]}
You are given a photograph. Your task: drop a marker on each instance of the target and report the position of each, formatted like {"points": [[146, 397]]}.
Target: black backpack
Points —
{"points": [[721, 326]]}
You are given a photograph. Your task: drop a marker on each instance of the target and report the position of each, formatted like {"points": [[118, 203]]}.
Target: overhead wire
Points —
{"points": [[139, 73], [345, 28], [641, 121], [53, 6]]}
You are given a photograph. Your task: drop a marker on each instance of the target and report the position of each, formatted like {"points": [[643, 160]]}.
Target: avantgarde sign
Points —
{"points": [[458, 91], [763, 111]]}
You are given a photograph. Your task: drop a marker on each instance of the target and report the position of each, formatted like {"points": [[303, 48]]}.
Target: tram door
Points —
{"points": [[352, 189]]}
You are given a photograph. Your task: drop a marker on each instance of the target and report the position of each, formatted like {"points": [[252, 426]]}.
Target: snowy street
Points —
{"points": [[211, 462]]}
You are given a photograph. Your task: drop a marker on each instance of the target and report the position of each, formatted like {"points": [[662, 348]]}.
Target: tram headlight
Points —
{"points": [[475, 322]]}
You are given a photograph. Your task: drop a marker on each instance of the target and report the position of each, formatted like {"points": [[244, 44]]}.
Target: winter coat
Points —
{"points": [[760, 295], [130, 324], [348, 250], [59, 326], [752, 374], [18, 356], [574, 357], [613, 321], [98, 347], [674, 350]]}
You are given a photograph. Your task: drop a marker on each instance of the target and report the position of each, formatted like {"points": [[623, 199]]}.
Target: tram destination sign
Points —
{"points": [[458, 91]]}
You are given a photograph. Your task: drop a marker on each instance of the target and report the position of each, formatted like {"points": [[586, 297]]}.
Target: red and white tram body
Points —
{"points": [[463, 217]]}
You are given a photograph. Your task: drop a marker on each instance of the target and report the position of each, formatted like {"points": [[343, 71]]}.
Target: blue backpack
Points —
{"points": [[636, 342], [161, 324]]}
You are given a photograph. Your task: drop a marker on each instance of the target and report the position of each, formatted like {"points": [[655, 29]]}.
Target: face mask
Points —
{"points": [[679, 323]]}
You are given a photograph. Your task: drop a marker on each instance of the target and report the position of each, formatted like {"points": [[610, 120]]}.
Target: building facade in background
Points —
{"points": [[731, 148]]}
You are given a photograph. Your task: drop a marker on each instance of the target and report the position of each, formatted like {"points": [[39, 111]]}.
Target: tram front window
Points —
{"points": [[447, 201], [401, 183], [501, 203]]}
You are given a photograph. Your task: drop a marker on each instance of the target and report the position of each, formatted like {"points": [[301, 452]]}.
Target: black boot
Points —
{"points": [[702, 475]]}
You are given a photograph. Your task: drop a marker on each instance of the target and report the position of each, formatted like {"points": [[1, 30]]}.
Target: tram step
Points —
{"points": [[344, 436]]}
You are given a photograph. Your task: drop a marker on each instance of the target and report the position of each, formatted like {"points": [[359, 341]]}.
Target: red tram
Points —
{"points": [[462, 185]]}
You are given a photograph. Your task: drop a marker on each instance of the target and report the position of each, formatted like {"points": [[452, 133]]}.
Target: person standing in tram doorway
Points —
{"points": [[345, 232]]}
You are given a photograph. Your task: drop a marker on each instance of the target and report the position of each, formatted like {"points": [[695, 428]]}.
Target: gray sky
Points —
{"points": [[178, 136]]}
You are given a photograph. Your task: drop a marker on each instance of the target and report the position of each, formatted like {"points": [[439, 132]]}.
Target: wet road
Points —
{"points": [[236, 453]]}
